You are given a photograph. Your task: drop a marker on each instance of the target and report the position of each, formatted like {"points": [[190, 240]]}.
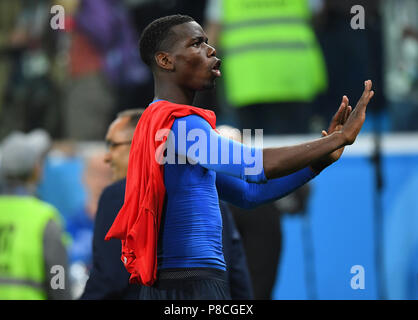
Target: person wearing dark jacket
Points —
{"points": [[238, 274], [108, 277]]}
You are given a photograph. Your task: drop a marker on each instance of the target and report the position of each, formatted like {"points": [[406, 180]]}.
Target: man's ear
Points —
{"points": [[164, 60]]}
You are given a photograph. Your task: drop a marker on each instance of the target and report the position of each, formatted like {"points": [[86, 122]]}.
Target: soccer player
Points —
{"points": [[170, 224], [108, 278]]}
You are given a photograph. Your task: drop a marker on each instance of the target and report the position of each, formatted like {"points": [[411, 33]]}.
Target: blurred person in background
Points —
{"points": [[29, 96], [9, 12], [62, 79], [400, 19], [110, 29], [238, 272], [88, 98], [96, 176], [284, 67], [350, 54], [30, 230], [109, 278]]}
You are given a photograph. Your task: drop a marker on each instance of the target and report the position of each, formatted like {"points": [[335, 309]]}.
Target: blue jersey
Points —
{"points": [[206, 167]]}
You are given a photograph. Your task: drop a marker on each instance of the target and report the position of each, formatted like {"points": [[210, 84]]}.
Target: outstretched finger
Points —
{"points": [[367, 90], [365, 97], [367, 86], [339, 115], [345, 100], [347, 113]]}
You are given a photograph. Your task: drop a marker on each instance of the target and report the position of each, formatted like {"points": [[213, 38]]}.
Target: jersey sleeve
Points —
{"points": [[192, 140], [250, 195]]}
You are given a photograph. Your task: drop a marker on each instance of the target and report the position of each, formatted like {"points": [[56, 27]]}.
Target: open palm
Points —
{"points": [[348, 122], [337, 124]]}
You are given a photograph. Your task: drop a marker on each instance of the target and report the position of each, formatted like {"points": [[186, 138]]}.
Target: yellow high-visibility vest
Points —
{"points": [[22, 269], [270, 52]]}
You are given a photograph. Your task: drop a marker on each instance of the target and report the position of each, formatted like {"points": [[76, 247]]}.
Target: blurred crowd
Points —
{"points": [[66, 86], [72, 82]]}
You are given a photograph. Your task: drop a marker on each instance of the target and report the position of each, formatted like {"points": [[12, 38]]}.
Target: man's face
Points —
{"points": [[195, 63], [118, 139]]}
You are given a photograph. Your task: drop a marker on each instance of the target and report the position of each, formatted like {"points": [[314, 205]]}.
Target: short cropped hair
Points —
{"points": [[156, 36], [133, 114]]}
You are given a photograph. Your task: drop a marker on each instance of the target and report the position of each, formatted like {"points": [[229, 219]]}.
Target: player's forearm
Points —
{"points": [[259, 194], [278, 162]]}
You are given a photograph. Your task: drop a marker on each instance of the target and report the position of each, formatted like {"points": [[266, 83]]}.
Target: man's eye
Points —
{"points": [[197, 44]]}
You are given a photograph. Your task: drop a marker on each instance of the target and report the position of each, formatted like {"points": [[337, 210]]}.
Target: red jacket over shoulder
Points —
{"points": [[137, 223]]}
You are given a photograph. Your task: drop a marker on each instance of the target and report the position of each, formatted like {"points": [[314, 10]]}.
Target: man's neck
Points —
{"points": [[171, 92]]}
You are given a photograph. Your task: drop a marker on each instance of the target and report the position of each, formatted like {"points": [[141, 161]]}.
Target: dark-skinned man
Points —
{"points": [[170, 224]]}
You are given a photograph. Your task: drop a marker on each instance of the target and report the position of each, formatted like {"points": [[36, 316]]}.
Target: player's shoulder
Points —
{"points": [[193, 121]]}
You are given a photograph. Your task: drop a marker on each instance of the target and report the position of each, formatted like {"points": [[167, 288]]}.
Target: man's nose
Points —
{"points": [[107, 157], [211, 51]]}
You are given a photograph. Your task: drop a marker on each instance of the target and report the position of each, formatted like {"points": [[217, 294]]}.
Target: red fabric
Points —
{"points": [[137, 223]]}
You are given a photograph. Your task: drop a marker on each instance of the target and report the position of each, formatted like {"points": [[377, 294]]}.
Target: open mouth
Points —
{"points": [[215, 68]]}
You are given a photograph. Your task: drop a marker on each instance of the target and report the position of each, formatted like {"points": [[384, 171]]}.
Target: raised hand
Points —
{"points": [[320, 153], [349, 122]]}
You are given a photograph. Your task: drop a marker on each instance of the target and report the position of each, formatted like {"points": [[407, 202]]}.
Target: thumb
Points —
{"points": [[324, 133]]}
